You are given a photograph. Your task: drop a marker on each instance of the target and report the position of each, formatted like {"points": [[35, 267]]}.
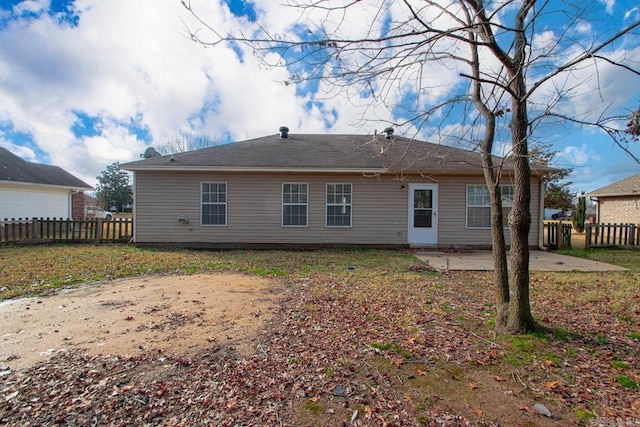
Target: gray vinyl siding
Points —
{"points": [[254, 210], [452, 229]]}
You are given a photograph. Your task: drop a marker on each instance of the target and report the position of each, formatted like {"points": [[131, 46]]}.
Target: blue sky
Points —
{"points": [[86, 83]]}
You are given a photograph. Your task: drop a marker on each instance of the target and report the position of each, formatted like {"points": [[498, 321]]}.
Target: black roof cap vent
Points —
{"points": [[388, 132], [284, 132]]}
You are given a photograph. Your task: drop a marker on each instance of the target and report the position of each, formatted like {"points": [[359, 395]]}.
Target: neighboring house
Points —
{"points": [[618, 203], [321, 190], [29, 190]]}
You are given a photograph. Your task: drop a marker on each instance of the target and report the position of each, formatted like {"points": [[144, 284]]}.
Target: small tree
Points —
{"points": [[580, 214], [558, 195], [114, 188]]}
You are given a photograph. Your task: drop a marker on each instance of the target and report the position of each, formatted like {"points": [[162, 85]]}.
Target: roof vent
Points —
{"points": [[284, 132], [150, 153], [388, 132]]}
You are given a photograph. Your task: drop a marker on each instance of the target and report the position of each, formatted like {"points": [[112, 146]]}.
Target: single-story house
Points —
{"points": [[618, 203], [321, 190], [33, 190]]}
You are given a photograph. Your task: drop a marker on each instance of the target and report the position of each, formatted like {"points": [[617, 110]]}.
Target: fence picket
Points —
{"points": [[25, 230], [558, 235], [612, 235]]}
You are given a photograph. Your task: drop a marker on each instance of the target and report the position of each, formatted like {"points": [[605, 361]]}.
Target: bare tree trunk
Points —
{"points": [[520, 317], [492, 179], [498, 246]]}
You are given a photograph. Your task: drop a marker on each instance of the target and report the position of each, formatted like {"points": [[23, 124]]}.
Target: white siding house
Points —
{"points": [[29, 190]]}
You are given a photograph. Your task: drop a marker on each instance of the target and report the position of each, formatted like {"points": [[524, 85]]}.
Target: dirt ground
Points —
{"points": [[168, 314]]}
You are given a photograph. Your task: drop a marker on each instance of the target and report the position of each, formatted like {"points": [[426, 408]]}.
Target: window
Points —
{"points": [[214, 203], [294, 204], [338, 205], [479, 206]]}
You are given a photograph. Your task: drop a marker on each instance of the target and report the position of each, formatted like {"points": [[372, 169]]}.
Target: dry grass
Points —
{"points": [[414, 345]]}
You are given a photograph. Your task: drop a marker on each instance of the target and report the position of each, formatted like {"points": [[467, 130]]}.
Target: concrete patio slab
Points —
{"points": [[538, 261]]}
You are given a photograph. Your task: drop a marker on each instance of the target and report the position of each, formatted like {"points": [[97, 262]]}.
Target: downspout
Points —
{"points": [[70, 204], [135, 211], [541, 215]]}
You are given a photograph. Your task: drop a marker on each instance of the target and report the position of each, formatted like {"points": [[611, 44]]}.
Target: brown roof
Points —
{"points": [[324, 153], [14, 169], [626, 187]]}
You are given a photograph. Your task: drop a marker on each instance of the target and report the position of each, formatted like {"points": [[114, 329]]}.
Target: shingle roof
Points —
{"points": [[14, 169], [626, 187], [321, 152]]}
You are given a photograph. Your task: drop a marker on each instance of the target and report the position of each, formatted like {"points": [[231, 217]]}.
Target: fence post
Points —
{"points": [[99, 231], [632, 235]]}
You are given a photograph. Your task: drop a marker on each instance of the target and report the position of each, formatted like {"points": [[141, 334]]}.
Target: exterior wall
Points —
{"points": [[254, 210], [619, 210], [452, 223], [77, 205], [30, 201]]}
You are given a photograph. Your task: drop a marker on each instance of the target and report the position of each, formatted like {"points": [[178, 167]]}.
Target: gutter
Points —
{"points": [[541, 215]]}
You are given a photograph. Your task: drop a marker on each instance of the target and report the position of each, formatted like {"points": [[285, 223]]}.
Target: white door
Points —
{"points": [[423, 214]]}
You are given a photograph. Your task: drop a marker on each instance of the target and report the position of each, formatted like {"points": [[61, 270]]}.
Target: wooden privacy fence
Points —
{"points": [[624, 236], [557, 235], [58, 230]]}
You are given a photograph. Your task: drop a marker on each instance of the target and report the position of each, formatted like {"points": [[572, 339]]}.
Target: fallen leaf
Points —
{"points": [[472, 386], [497, 378], [552, 385]]}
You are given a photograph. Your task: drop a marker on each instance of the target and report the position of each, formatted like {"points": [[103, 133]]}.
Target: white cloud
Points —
{"points": [[19, 150], [632, 13], [127, 61], [609, 4], [31, 6], [577, 156]]}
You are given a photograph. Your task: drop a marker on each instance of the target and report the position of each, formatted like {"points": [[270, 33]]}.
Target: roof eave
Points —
{"points": [[623, 194], [37, 184], [162, 168]]}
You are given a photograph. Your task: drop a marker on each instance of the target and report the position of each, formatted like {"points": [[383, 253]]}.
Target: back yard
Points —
{"points": [[327, 337]]}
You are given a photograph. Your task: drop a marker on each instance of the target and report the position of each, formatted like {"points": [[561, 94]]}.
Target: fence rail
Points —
{"points": [[624, 236], [557, 235], [57, 230]]}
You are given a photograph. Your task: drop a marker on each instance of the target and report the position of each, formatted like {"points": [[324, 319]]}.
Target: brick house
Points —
{"points": [[618, 203]]}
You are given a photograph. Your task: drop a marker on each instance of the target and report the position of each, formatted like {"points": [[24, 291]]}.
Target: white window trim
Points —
{"points": [[326, 205], [467, 206], [226, 190], [292, 204]]}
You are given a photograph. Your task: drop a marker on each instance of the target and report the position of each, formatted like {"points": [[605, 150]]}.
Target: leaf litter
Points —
{"points": [[359, 348]]}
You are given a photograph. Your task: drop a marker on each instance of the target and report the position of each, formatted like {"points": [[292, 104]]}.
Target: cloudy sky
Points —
{"points": [[86, 83]]}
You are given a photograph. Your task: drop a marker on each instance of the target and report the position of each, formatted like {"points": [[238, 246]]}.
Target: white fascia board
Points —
{"points": [[35, 184]]}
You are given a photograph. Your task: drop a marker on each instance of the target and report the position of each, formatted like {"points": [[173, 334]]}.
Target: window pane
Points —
{"points": [[478, 217], [507, 192], [422, 218], [294, 204], [338, 216], [338, 209], [422, 199], [214, 199], [294, 215]]}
